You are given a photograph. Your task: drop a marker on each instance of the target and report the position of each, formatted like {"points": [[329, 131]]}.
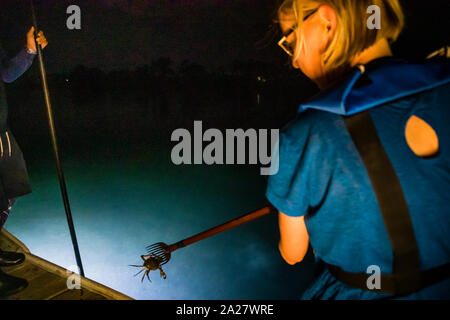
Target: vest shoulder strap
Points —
{"points": [[406, 276]]}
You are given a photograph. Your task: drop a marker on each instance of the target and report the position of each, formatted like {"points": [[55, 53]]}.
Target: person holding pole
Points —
{"points": [[13, 174]]}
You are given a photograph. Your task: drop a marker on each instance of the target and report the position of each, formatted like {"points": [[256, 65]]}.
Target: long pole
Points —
{"points": [[223, 227], [62, 182]]}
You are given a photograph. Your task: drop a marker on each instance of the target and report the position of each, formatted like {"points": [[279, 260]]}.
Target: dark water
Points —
{"points": [[126, 194]]}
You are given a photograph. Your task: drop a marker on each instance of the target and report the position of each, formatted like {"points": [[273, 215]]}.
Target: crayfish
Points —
{"points": [[151, 263]]}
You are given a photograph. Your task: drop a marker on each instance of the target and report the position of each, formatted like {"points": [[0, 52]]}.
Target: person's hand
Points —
{"points": [[40, 39]]}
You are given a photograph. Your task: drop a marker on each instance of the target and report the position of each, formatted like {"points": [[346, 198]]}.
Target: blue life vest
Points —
{"points": [[362, 90], [324, 175], [384, 79]]}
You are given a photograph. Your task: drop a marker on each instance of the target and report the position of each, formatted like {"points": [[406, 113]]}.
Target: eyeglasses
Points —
{"points": [[289, 47]]}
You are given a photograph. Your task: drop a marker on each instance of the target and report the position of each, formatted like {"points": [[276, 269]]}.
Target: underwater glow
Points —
{"points": [[120, 207]]}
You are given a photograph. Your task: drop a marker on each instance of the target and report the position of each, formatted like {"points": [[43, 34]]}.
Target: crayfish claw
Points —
{"points": [[162, 273]]}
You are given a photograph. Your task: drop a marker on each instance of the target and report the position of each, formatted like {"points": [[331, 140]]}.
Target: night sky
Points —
{"points": [[128, 33]]}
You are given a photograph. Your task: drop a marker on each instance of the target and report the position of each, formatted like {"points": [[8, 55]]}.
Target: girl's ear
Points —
{"points": [[328, 18]]}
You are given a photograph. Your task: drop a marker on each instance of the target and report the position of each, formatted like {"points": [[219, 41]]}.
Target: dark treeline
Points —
{"points": [[155, 99]]}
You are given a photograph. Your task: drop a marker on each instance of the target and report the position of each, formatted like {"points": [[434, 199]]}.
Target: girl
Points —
{"points": [[364, 168]]}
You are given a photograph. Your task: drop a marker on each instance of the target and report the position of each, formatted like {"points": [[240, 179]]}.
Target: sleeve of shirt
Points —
{"points": [[11, 69], [287, 190]]}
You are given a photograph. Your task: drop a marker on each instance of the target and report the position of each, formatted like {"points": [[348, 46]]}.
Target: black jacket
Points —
{"points": [[14, 180]]}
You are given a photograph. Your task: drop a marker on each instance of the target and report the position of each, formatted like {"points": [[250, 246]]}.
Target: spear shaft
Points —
{"points": [[59, 167]]}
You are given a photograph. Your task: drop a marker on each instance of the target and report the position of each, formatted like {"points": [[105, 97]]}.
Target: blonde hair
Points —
{"points": [[352, 35]]}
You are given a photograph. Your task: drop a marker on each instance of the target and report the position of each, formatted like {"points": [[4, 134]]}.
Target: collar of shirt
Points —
{"points": [[380, 81]]}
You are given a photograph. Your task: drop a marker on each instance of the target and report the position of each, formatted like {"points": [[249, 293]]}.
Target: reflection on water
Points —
{"points": [[126, 194]]}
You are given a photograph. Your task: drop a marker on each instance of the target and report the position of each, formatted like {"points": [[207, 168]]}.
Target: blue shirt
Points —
{"points": [[322, 177]]}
